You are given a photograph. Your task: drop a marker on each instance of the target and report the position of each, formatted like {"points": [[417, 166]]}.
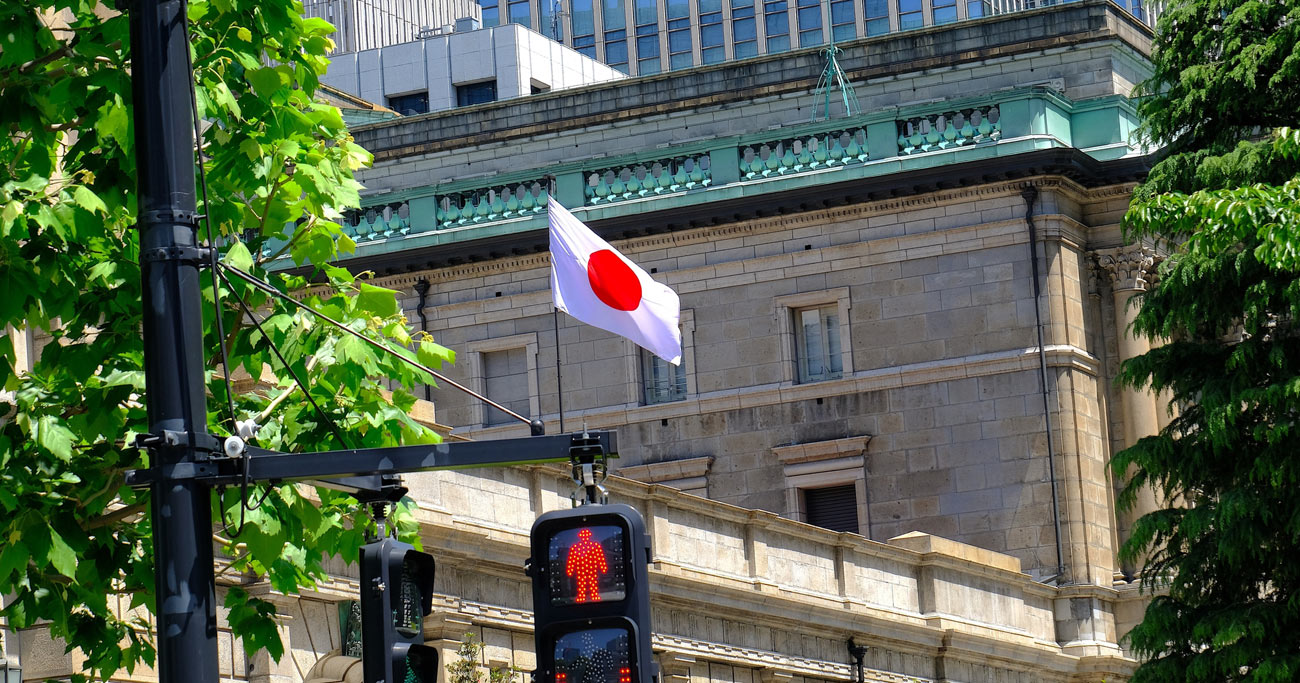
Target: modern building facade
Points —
{"points": [[643, 37], [370, 24], [463, 66]]}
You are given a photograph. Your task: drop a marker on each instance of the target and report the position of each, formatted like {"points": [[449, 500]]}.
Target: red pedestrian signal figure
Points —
{"points": [[585, 563]]}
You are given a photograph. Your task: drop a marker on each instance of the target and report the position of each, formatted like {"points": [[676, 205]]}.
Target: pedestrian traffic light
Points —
{"points": [[396, 595], [591, 597]]}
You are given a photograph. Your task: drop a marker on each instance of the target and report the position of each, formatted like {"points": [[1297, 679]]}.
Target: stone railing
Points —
{"points": [[803, 153], [514, 200], [377, 222], [663, 176], [949, 129]]}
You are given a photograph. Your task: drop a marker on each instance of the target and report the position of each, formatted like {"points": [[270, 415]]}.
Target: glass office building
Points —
{"points": [[642, 37]]}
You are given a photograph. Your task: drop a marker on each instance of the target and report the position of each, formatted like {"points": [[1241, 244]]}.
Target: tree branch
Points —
{"points": [[116, 516]]}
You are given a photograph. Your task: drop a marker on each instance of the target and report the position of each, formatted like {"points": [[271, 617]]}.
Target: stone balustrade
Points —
{"points": [[497, 202], [803, 153], [947, 130], [378, 222], [662, 176]]}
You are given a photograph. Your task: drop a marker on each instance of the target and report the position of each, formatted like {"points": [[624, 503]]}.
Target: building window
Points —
{"points": [[977, 8], [944, 11], [842, 21], [826, 482], [616, 49], [832, 507], [476, 93], [408, 105], [909, 15], [877, 17], [647, 37], [810, 23], [647, 51], [679, 35], [651, 380], [613, 15], [776, 21], [520, 13], [744, 32], [583, 25], [491, 12], [552, 26], [817, 344], [814, 329], [711, 50], [663, 382], [505, 380]]}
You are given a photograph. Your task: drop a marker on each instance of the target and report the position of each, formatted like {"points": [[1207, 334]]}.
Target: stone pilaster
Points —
{"points": [[1130, 271]]}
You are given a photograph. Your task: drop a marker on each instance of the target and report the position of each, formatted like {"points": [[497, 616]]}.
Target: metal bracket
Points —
{"points": [[590, 469], [169, 438], [170, 216], [181, 254]]}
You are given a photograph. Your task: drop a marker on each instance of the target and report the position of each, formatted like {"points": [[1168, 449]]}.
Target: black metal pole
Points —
{"points": [[173, 342], [559, 383]]}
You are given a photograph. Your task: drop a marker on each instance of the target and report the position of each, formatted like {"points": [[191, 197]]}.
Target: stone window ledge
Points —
{"points": [[821, 450]]}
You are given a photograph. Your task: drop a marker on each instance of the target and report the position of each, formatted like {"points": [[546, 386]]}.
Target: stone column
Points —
{"points": [[1129, 270]]}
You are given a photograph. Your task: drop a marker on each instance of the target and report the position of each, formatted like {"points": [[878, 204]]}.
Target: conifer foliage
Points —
{"points": [[75, 545], [1224, 204]]}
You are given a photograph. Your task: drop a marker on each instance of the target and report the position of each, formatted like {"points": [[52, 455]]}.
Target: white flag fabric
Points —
{"points": [[594, 283]]}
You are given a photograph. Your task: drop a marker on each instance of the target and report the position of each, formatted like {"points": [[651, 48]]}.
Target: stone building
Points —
{"points": [[861, 310], [901, 327]]}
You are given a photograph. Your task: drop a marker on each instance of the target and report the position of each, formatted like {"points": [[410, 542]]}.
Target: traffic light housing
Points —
{"points": [[591, 596], [396, 595]]}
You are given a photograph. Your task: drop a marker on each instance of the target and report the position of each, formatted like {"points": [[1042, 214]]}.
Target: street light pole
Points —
{"points": [[173, 342]]}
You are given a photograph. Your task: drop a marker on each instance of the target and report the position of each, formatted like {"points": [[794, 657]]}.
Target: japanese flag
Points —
{"points": [[599, 286]]}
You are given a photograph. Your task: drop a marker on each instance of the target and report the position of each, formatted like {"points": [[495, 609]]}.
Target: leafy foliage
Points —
{"points": [[1224, 73], [1225, 204], [75, 545], [466, 667]]}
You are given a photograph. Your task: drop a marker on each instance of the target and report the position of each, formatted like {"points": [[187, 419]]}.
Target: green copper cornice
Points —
{"points": [[923, 135]]}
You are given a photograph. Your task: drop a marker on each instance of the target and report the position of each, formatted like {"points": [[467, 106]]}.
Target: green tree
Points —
{"points": [[1224, 202], [75, 547]]}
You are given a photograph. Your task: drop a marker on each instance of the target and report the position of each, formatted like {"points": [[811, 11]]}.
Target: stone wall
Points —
{"points": [[940, 371]]}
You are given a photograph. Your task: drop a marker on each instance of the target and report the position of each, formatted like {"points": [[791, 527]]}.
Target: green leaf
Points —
{"points": [[254, 621], [54, 437], [62, 556], [13, 558], [113, 121], [265, 81], [377, 300], [434, 355], [88, 200], [221, 95], [237, 256]]}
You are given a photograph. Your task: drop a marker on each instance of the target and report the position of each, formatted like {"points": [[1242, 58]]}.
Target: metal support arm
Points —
{"points": [[352, 468]]}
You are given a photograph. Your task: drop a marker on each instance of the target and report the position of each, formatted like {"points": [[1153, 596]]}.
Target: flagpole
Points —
{"points": [[559, 385], [555, 311]]}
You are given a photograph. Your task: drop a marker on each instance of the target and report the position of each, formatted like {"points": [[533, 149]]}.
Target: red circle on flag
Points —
{"points": [[613, 281]]}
